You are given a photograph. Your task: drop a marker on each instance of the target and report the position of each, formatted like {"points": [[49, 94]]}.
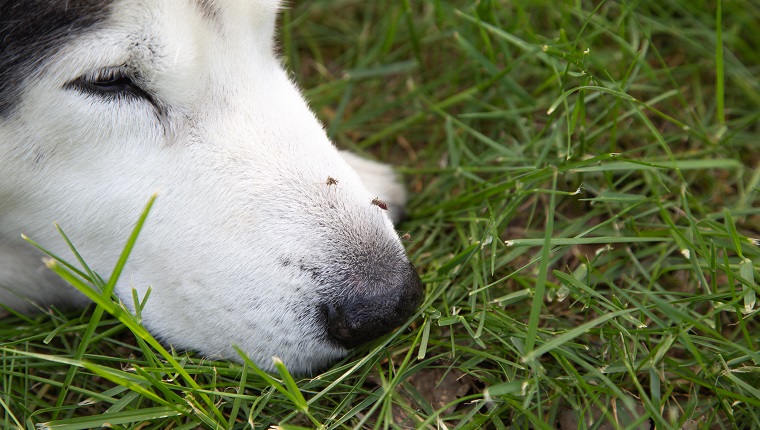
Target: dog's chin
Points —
{"points": [[307, 358], [312, 360]]}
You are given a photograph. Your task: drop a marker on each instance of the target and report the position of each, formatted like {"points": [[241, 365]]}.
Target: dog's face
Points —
{"points": [[249, 243]]}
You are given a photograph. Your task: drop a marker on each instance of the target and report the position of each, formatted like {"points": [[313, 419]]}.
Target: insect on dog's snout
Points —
{"points": [[362, 317]]}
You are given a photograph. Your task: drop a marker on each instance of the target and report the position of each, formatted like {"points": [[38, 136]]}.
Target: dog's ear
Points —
{"points": [[382, 182]]}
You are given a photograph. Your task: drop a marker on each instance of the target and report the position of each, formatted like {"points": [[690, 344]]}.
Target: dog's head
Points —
{"points": [[263, 236]]}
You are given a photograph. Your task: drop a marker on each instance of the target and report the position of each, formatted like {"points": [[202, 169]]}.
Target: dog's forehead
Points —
{"points": [[216, 9], [33, 31]]}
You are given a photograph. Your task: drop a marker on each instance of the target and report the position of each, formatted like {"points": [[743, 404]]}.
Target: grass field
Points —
{"points": [[584, 216]]}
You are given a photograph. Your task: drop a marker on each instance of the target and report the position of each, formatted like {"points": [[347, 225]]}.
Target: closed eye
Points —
{"points": [[110, 83], [116, 83]]}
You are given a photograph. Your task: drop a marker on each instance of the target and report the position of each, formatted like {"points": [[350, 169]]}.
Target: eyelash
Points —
{"points": [[110, 83]]}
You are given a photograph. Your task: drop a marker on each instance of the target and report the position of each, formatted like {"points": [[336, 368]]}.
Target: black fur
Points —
{"points": [[33, 30]]}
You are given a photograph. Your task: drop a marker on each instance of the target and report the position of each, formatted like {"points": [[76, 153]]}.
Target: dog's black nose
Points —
{"points": [[373, 310]]}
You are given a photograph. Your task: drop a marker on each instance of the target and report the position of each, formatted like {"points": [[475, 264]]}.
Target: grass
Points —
{"points": [[584, 215]]}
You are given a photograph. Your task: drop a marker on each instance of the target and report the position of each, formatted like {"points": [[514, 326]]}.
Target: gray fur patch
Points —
{"points": [[209, 9]]}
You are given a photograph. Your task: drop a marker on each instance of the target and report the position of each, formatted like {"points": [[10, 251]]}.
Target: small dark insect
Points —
{"points": [[406, 237], [331, 181], [379, 203]]}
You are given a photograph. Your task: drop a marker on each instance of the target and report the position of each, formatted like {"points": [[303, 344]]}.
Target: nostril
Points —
{"points": [[351, 325], [358, 318], [338, 324]]}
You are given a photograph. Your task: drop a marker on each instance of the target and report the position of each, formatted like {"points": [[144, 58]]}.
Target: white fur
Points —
{"points": [[240, 163]]}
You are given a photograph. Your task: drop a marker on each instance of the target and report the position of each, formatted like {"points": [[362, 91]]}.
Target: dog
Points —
{"points": [[263, 236]]}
